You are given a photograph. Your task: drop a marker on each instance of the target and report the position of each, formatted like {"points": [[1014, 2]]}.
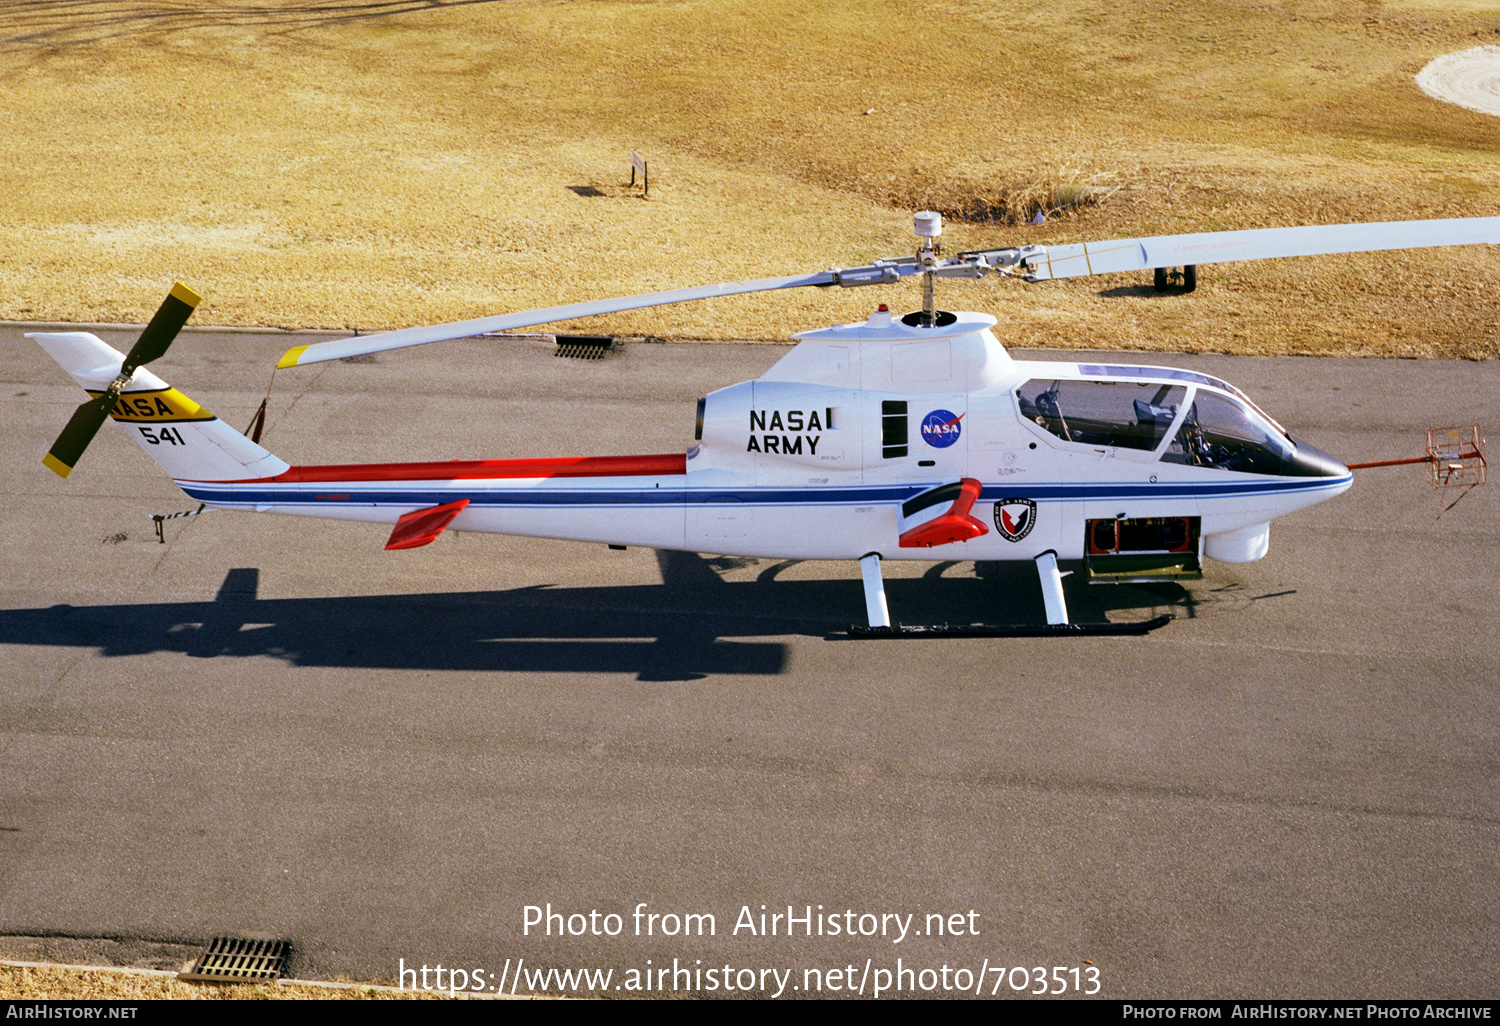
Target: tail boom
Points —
{"points": [[622, 500]]}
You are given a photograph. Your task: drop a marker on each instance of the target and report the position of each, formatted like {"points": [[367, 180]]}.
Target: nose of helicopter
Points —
{"points": [[1311, 461]]}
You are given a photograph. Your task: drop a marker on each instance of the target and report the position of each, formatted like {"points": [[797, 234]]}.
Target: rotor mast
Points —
{"points": [[929, 225]]}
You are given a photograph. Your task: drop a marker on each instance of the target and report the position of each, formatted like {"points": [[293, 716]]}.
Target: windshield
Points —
{"points": [[1218, 432]]}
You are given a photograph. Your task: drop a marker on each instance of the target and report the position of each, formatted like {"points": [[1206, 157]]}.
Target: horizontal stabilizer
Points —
{"points": [[940, 516], [421, 527]]}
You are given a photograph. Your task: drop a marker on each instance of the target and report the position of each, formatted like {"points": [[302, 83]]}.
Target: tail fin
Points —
{"points": [[187, 441]]}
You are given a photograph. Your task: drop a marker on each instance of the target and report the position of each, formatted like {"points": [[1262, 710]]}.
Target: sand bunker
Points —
{"points": [[1469, 78]]}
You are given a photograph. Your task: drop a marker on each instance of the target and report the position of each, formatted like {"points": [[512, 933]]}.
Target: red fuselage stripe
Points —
{"points": [[468, 470]]}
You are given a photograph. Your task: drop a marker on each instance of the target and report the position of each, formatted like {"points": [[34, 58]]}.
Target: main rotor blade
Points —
{"points": [[79, 432], [163, 328], [338, 349], [1033, 263], [1086, 258]]}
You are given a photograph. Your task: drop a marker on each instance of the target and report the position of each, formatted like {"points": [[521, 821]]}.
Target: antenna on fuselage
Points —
{"points": [[929, 225]]}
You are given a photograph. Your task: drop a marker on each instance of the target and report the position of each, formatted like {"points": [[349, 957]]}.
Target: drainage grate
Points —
{"points": [[584, 347], [239, 960]]}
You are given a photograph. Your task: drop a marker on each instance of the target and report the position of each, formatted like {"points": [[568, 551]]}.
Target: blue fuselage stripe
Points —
{"points": [[482, 493]]}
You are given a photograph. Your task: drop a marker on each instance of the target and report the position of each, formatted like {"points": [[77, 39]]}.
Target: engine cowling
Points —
{"points": [[774, 429]]}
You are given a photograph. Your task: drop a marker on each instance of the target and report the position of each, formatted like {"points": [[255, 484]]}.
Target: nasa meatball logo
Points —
{"points": [[1014, 518], [940, 428]]}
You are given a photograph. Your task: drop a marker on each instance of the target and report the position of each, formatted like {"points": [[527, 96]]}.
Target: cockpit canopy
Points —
{"points": [[1182, 423], [1123, 414]]}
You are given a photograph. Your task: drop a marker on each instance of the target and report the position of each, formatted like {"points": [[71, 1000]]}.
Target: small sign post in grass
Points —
{"points": [[638, 164]]}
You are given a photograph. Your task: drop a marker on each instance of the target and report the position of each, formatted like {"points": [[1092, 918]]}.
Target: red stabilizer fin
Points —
{"points": [[953, 526], [421, 527]]}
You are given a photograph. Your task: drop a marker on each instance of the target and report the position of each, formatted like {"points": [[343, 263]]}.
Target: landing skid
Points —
{"points": [[1053, 602], [1020, 630]]}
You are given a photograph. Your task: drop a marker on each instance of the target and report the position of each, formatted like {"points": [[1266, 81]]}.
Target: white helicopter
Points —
{"points": [[912, 437]]}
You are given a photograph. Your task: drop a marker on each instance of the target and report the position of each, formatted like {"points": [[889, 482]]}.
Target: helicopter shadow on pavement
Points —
{"points": [[648, 630], [694, 624]]}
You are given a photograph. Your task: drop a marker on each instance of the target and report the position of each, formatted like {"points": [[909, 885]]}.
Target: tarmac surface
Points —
{"points": [[270, 726]]}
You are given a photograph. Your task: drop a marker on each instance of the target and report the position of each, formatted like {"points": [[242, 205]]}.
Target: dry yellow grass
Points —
{"points": [[343, 165]]}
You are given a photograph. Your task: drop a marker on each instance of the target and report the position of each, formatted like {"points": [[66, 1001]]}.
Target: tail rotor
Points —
{"points": [[153, 343]]}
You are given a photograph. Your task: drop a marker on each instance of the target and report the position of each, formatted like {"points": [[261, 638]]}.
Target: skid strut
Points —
{"points": [[1052, 600], [876, 610], [1052, 593]]}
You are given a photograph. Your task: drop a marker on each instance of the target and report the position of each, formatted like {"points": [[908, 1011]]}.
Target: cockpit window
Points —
{"points": [[1176, 374], [1220, 433], [1125, 414]]}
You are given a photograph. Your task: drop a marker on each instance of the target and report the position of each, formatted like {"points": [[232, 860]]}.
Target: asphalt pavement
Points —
{"points": [[270, 726]]}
